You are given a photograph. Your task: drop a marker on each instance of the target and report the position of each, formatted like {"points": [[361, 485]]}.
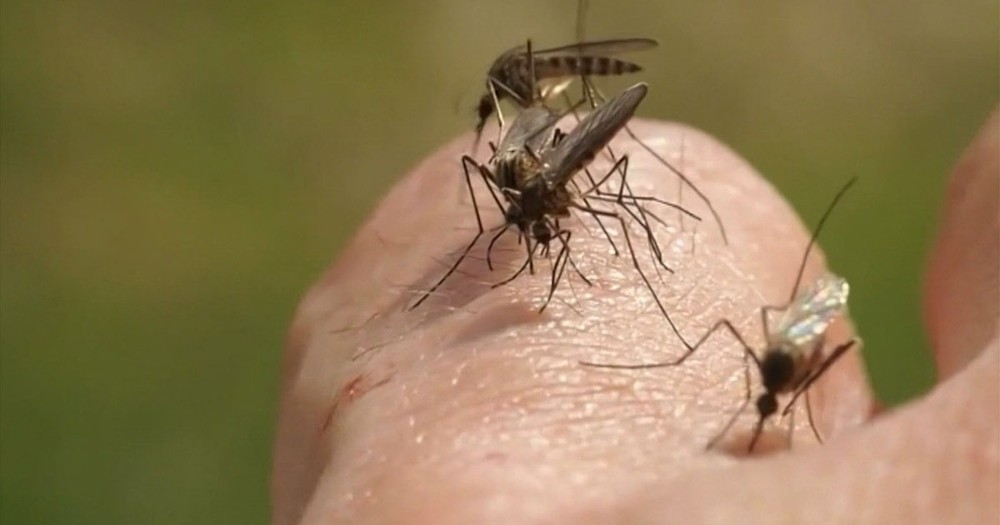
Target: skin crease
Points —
{"points": [[473, 408]]}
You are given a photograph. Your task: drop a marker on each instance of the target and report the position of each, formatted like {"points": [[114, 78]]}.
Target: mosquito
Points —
{"points": [[535, 165], [516, 72], [793, 357]]}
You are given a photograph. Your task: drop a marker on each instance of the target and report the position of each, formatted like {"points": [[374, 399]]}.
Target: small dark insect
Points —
{"points": [[534, 170], [517, 71], [793, 358]]}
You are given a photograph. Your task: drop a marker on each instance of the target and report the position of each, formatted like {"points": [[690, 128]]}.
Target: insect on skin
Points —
{"points": [[516, 72], [534, 170], [532, 131], [512, 75], [793, 358]]}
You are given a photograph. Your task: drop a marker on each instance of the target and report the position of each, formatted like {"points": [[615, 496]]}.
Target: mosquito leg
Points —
{"points": [[636, 202], [583, 195], [604, 229], [758, 429], [812, 422], [656, 253], [638, 268], [531, 258], [487, 177], [724, 323], [644, 221], [531, 71], [680, 187], [743, 405], [816, 374], [578, 272], [791, 428], [466, 161], [558, 266], [765, 315], [569, 259], [496, 105], [519, 271], [489, 249], [581, 17], [621, 166], [450, 271], [646, 198], [704, 198]]}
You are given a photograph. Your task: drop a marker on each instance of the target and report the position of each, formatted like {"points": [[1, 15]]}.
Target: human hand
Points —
{"points": [[477, 411]]}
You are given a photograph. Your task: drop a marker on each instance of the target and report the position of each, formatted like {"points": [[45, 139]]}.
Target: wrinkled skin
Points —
{"points": [[473, 408]]}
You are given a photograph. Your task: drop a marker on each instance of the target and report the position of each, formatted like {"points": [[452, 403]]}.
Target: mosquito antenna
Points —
{"points": [[815, 234]]}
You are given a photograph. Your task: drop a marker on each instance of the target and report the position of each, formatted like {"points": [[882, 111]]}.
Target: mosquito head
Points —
{"points": [[767, 405], [541, 232], [777, 369]]}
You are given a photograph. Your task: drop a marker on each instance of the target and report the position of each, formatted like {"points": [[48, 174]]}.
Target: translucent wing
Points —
{"points": [[809, 316], [590, 136], [533, 128], [600, 47]]}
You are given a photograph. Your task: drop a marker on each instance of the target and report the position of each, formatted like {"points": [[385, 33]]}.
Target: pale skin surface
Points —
{"points": [[477, 411]]}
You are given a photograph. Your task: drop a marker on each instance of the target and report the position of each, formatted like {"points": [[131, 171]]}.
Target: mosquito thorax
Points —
{"points": [[512, 167], [777, 369], [534, 199]]}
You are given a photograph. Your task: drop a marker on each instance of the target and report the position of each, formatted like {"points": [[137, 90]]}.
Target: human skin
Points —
{"points": [[474, 408]]}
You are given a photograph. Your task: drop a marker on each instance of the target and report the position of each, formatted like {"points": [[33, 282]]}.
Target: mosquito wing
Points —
{"points": [[594, 132], [532, 129], [809, 316], [600, 47]]}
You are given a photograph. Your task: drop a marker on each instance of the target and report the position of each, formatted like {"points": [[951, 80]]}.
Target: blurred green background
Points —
{"points": [[175, 174]]}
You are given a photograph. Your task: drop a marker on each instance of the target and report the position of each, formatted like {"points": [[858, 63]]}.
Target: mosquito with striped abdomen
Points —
{"points": [[525, 75], [530, 77]]}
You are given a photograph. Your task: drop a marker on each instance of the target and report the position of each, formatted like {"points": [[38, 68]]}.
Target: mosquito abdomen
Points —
{"points": [[569, 65]]}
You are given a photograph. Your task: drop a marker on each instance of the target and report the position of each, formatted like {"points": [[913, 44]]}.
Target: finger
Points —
{"points": [[475, 397], [963, 283]]}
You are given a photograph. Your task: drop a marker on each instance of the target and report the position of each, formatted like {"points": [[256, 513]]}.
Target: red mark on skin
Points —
{"points": [[350, 393], [495, 457]]}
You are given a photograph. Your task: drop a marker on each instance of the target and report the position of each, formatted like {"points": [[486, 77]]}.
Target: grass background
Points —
{"points": [[174, 174]]}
